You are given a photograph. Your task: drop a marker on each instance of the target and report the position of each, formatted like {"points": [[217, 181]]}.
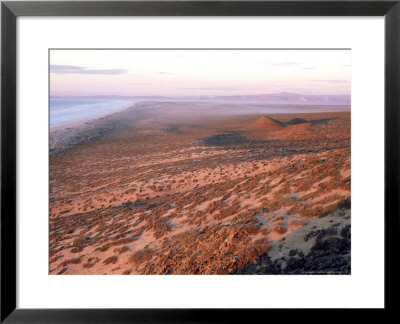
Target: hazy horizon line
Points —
{"points": [[196, 95]]}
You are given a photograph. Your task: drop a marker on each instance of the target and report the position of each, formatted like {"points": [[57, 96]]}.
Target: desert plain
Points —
{"points": [[202, 188]]}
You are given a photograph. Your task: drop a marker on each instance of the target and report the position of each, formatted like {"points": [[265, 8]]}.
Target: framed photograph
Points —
{"points": [[163, 159]]}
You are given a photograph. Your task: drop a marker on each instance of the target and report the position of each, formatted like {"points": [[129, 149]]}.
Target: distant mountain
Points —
{"points": [[290, 98], [274, 98], [112, 97]]}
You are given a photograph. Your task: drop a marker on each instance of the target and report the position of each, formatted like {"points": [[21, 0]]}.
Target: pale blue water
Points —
{"points": [[64, 111]]}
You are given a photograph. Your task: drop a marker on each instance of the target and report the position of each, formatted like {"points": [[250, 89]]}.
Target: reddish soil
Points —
{"points": [[161, 194], [264, 123]]}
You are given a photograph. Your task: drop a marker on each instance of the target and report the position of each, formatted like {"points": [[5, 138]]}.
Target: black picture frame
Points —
{"points": [[10, 10]]}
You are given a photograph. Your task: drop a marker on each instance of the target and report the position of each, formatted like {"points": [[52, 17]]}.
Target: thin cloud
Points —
{"points": [[308, 68], [56, 68], [72, 69], [166, 73]]}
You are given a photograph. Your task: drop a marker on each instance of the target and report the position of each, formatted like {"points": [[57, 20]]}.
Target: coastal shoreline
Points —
{"points": [[68, 136], [89, 119]]}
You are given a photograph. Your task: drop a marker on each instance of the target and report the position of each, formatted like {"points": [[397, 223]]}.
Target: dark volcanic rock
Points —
{"points": [[345, 232], [329, 255]]}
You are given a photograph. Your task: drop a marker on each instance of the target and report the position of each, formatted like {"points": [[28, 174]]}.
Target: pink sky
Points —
{"points": [[199, 72]]}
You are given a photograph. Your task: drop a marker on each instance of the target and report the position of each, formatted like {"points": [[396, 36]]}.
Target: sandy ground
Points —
{"points": [[150, 191]]}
